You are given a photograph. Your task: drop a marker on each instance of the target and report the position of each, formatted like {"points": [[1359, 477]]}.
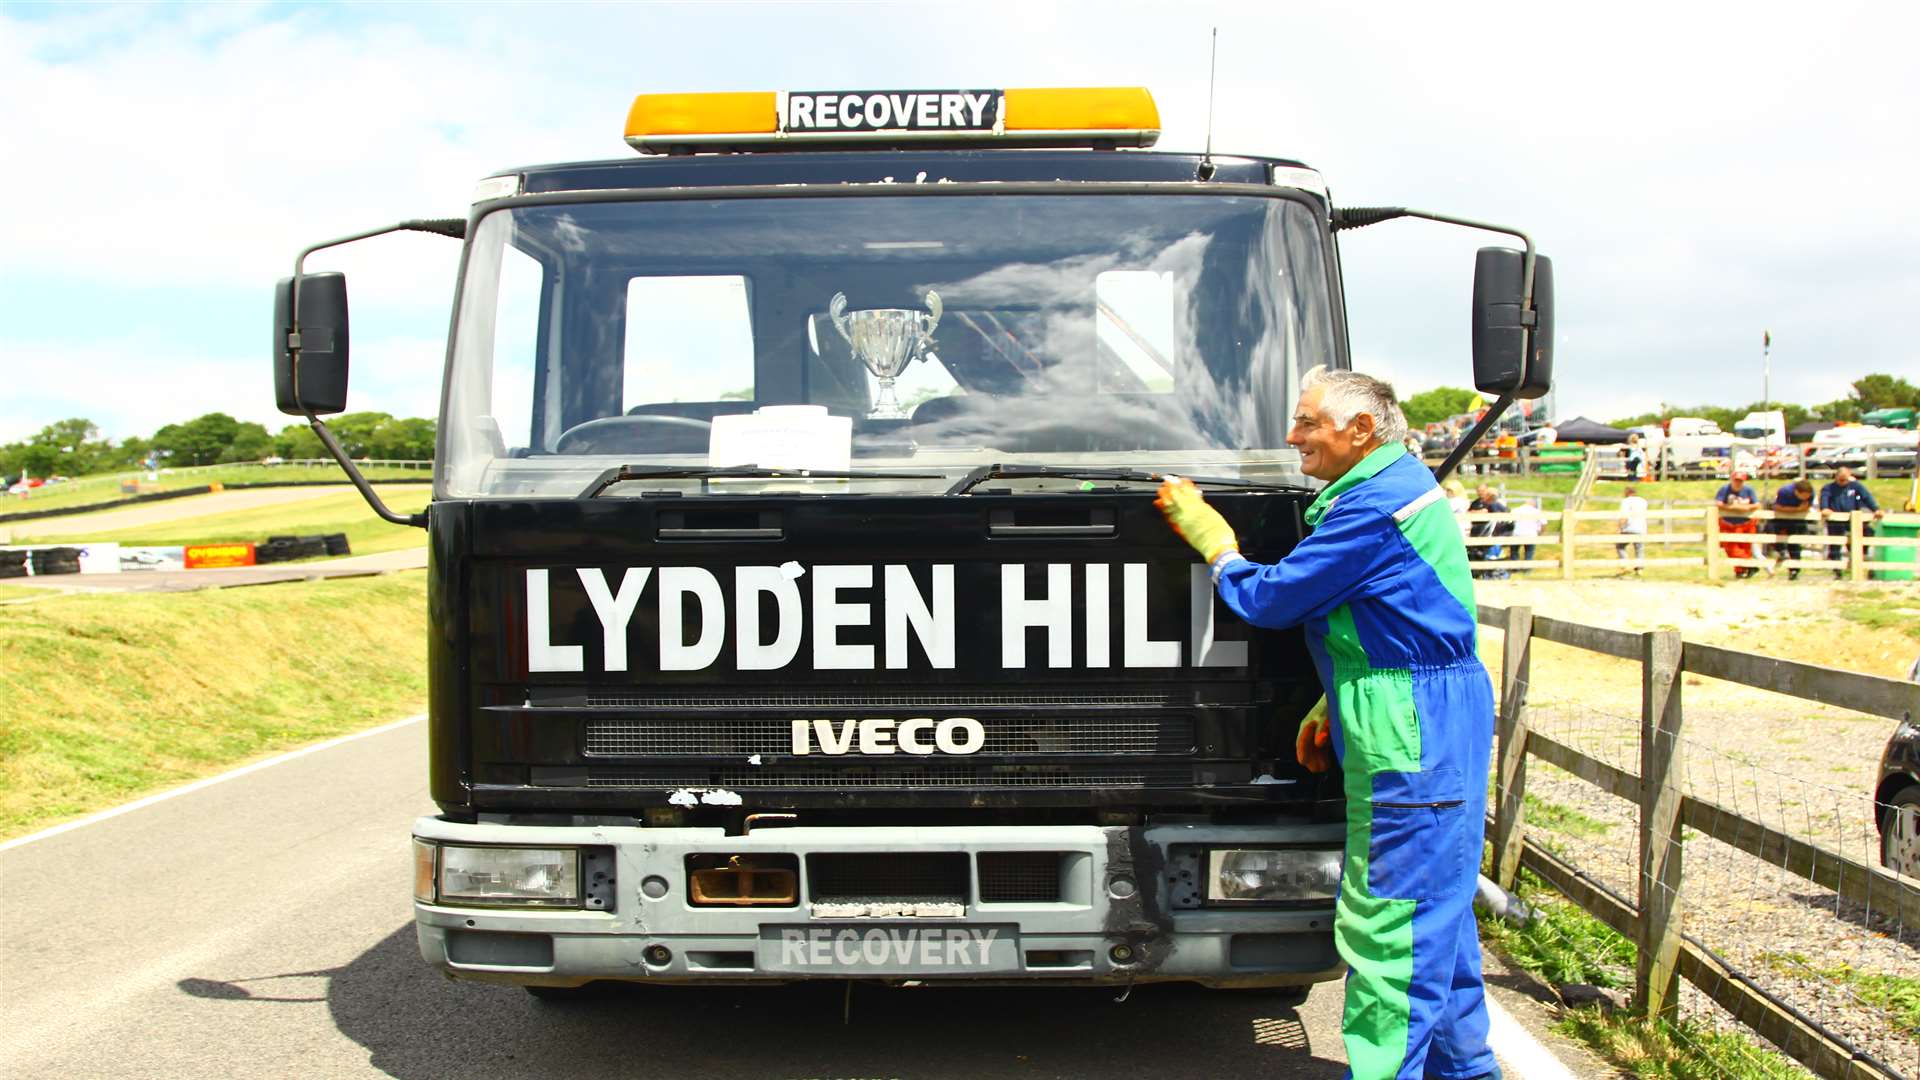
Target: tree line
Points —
{"points": [[76, 446], [1870, 392]]}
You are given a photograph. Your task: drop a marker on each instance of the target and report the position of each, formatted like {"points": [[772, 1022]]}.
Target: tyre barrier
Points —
{"points": [[288, 548], [40, 562]]}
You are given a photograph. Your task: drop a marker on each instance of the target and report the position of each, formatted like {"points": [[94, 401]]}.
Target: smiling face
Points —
{"points": [[1326, 451]]}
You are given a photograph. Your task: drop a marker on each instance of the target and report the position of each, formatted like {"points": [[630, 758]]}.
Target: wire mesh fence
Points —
{"points": [[1785, 922]]}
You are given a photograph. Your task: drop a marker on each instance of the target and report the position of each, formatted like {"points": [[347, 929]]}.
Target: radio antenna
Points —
{"points": [[1205, 172]]}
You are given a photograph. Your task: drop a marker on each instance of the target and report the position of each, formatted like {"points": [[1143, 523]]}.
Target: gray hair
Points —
{"points": [[1347, 394]]}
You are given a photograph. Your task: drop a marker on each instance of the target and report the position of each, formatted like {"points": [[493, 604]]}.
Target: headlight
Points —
{"points": [[1280, 875], [542, 877]]}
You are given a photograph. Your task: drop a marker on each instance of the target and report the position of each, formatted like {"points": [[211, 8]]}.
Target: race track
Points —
{"points": [[189, 506]]}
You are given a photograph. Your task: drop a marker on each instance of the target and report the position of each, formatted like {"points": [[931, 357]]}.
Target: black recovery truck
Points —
{"points": [[798, 605]]}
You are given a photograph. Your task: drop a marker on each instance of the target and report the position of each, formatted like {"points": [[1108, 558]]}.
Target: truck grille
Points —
{"points": [[1020, 877], [901, 778], [925, 875], [865, 701], [1008, 736]]}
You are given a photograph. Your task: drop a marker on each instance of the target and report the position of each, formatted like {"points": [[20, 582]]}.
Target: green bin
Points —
{"points": [[1896, 554]]}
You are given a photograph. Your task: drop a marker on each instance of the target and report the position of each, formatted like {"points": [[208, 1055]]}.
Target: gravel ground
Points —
{"points": [[1804, 768]]}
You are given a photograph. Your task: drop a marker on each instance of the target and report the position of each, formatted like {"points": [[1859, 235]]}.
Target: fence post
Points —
{"points": [[1568, 526], [1656, 974], [1714, 554], [1856, 545], [1510, 790]]}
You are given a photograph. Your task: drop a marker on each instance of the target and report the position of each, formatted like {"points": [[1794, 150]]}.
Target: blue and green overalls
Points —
{"points": [[1381, 586]]}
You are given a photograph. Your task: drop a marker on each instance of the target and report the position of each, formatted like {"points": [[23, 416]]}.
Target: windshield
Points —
{"points": [[917, 335]]}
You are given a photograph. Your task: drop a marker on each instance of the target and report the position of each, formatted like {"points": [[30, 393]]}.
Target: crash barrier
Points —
{"points": [[288, 548], [1761, 889], [1868, 550], [37, 562], [117, 558]]}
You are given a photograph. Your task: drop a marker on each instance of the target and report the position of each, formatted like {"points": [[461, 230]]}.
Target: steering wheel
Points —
{"points": [[631, 434]]}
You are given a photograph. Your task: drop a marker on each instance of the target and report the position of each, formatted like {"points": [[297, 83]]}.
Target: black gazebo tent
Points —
{"points": [[1582, 430]]}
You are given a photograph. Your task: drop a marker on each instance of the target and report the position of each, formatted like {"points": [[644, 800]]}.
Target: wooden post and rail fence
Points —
{"points": [[1697, 527], [1650, 919]]}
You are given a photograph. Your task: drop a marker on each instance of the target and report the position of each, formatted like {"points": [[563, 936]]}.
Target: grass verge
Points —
{"points": [[1566, 945], [343, 512], [106, 697], [1885, 613], [23, 592], [1896, 996], [1561, 819]]}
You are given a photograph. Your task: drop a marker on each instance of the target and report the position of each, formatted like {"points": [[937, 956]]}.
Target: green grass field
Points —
{"points": [[340, 512], [107, 697], [23, 592], [87, 490]]}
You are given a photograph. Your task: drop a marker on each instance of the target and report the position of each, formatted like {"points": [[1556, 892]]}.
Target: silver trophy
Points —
{"points": [[886, 340]]}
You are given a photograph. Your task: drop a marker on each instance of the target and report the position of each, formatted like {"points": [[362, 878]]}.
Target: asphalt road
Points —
{"points": [[261, 927]]}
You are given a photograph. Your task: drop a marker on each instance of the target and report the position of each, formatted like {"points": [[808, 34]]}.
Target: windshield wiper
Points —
{"points": [[1027, 472], [626, 473]]}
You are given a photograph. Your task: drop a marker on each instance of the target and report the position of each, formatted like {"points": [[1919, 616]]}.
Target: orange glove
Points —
{"points": [[1197, 523], [1312, 747]]}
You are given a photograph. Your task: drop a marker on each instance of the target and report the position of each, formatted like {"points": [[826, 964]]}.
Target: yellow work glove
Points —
{"points": [[1196, 522], [1312, 747]]}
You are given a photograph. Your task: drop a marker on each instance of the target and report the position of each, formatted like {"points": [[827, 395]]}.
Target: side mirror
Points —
{"points": [[1510, 357], [317, 382]]}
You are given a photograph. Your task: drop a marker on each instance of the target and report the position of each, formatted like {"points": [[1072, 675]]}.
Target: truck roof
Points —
{"points": [[896, 166]]}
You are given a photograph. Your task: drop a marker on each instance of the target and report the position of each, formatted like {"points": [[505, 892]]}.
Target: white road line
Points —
{"points": [[22, 841], [1525, 1057]]}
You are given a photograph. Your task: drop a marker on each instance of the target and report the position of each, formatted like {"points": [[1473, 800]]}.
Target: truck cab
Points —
{"points": [[798, 604]]}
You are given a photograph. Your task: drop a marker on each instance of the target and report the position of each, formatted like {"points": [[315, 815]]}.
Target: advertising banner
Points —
{"points": [[99, 558], [153, 558], [216, 556]]}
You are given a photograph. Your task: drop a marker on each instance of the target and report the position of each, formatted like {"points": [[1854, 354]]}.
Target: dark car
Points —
{"points": [[1897, 797]]}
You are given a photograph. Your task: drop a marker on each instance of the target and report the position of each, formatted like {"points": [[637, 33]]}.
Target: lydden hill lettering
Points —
{"points": [[1057, 615]]}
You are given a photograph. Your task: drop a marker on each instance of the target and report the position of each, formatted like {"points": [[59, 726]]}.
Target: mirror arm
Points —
{"points": [[1472, 438], [453, 227], [359, 479], [1355, 217]]}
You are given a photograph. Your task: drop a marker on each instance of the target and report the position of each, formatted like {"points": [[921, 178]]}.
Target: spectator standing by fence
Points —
{"points": [[1636, 457], [1844, 496], [1487, 501], [1791, 505], [1458, 502], [1736, 501], [1528, 523], [1633, 522]]}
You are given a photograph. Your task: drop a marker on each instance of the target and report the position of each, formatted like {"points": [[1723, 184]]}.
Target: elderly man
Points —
{"points": [[1845, 497], [1381, 586]]}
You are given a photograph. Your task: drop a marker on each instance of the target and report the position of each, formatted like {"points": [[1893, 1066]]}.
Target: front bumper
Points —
{"points": [[1116, 922]]}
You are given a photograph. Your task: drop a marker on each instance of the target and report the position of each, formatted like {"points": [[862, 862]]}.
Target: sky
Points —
{"points": [[1699, 173]]}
